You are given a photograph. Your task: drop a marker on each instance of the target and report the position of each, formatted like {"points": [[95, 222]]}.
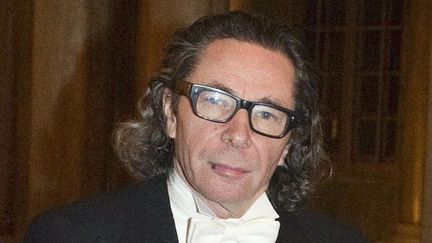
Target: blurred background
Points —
{"points": [[70, 70]]}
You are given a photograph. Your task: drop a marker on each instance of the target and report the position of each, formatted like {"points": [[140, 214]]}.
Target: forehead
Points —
{"points": [[248, 70]]}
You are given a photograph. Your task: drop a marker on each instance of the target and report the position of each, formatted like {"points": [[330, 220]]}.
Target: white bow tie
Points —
{"points": [[262, 230]]}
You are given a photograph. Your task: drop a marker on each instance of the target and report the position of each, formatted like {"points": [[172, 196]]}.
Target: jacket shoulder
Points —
{"points": [[106, 217], [318, 227]]}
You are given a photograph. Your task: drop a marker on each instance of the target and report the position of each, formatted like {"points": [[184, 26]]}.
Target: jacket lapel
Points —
{"points": [[290, 231], [153, 220]]}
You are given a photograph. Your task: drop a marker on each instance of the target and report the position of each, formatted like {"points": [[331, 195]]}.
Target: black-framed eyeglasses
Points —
{"points": [[216, 105]]}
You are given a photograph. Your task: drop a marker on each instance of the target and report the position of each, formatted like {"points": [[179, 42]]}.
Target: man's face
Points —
{"points": [[228, 164]]}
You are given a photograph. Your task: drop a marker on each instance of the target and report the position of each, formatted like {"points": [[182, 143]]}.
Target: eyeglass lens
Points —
{"points": [[220, 107]]}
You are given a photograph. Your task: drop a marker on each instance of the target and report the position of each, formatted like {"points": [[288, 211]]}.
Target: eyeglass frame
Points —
{"points": [[186, 89]]}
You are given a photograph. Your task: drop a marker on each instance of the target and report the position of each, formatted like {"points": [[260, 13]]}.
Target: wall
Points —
{"points": [[70, 71], [73, 75]]}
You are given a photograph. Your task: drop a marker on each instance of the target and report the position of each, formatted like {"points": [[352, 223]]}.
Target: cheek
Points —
{"points": [[190, 132], [275, 154]]}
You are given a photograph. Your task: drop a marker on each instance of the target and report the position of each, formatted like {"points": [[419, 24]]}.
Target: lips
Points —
{"points": [[228, 171]]}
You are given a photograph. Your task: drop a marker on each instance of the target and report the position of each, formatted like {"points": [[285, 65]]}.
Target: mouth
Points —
{"points": [[228, 171]]}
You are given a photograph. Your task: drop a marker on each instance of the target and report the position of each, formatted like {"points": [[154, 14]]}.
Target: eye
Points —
{"points": [[214, 99], [266, 115]]}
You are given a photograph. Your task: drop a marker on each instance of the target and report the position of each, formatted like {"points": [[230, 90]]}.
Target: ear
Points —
{"points": [[171, 121], [283, 156]]}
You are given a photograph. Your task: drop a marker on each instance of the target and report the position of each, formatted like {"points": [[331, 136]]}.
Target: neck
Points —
{"points": [[219, 209], [225, 210]]}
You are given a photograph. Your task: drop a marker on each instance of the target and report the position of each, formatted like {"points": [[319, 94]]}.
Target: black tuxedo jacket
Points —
{"points": [[142, 213]]}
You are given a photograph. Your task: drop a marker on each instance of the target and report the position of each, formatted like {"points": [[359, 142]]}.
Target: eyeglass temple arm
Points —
{"points": [[183, 87]]}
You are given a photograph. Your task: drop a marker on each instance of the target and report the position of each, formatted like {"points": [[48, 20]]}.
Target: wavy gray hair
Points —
{"points": [[144, 148]]}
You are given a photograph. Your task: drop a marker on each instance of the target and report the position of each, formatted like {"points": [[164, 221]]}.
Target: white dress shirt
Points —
{"points": [[195, 222]]}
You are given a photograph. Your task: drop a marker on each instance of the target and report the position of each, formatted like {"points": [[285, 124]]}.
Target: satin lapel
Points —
{"points": [[290, 231], [153, 220]]}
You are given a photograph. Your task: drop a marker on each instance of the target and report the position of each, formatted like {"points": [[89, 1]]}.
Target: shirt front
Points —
{"points": [[187, 208]]}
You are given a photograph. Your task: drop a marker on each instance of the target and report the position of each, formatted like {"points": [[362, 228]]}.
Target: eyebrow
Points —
{"points": [[266, 99]]}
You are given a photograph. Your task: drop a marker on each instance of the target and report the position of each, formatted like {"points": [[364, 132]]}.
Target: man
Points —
{"points": [[230, 138]]}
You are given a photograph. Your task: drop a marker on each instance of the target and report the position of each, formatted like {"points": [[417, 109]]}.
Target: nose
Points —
{"points": [[238, 132]]}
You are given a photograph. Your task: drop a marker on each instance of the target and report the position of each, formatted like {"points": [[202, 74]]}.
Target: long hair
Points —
{"points": [[145, 149]]}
